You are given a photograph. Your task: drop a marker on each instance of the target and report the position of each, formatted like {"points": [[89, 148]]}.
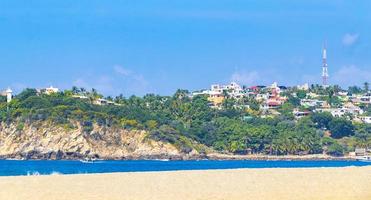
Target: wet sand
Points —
{"points": [[300, 183]]}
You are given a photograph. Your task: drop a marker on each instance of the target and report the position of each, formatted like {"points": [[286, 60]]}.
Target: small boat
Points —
{"points": [[87, 160], [163, 160], [364, 158]]}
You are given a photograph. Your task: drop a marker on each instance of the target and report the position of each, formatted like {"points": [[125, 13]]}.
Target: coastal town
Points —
{"points": [[301, 100], [322, 103], [267, 101]]}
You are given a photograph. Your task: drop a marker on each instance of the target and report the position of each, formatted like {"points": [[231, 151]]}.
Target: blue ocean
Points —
{"points": [[43, 167]]}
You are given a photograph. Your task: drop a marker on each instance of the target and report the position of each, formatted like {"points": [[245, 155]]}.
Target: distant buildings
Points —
{"points": [[274, 99], [48, 91], [232, 90], [218, 93], [269, 97], [267, 100], [103, 102], [358, 99], [365, 119], [95, 100], [347, 109], [312, 103], [303, 87], [299, 114]]}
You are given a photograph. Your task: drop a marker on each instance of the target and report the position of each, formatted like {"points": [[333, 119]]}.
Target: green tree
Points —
{"points": [[287, 110], [335, 149], [366, 86], [28, 92], [354, 90], [322, 119], [363, 135], [340, 127], [295, 101], [75, 90], [151, 124], [301, 94]]}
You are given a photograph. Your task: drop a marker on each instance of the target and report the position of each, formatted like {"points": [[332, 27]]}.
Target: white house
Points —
{"points": [[366, 98], [305, 86], [233, 89], [342, 93], [299, 114], [50, 90], [339, 112], [8, 95], [262, 97], [365, 119], [311, 102]]}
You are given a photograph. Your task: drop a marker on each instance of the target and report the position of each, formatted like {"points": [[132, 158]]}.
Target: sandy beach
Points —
{"points": [[301, 183]]}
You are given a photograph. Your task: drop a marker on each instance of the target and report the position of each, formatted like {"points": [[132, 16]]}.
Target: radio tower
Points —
{"points": [[324, 67]]}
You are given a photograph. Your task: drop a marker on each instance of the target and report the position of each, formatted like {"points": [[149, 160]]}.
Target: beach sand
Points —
{"points": [[296, 184]]}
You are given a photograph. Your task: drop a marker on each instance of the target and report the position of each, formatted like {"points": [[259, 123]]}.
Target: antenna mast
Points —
{"points": [[324, 67]]}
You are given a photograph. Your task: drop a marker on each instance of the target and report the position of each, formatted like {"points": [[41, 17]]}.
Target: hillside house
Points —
{"points": [[48, 91], [365, 119]]}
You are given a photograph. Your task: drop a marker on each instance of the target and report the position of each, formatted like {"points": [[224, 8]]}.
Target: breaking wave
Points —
{"points": [[33, 173], [36, 173]]}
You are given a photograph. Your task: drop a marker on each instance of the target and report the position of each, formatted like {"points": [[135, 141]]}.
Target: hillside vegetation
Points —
{"points": [[187, 124]]}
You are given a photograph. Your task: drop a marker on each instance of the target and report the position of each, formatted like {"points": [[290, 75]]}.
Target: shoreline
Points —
{"points": [[284, 183], [214, 156], [182, 171]]}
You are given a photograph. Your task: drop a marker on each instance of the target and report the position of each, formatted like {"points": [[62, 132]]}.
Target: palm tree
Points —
{"points": [[312, 87], [366, 86], [120, 99], [75, 90], [226, 94], [336, 89], [82, 90]]}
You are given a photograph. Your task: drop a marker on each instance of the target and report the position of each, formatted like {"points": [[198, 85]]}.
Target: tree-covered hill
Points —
{"points": [[184, 121]]}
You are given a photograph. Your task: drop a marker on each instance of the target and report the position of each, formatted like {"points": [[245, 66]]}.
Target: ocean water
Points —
{"points": [[33, 167]]}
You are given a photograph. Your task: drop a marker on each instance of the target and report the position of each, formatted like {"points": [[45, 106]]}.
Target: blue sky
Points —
{"points": [[157, 46]]}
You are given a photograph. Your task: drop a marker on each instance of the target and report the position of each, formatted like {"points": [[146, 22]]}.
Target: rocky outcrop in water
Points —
{"points": [[43, 140]]}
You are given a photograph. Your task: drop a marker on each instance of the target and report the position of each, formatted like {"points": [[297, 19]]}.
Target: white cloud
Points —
{"points": [[297, 60], [134, 78], [120, 70], [349, 39], [246, 78], [351, 75]]}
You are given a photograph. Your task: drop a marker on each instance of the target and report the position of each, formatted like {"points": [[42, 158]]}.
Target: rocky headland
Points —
{"points": [[43, 140]]}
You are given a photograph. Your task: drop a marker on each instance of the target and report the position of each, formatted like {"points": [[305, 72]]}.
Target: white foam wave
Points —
{"points": [[34, 173], [54, 173]]}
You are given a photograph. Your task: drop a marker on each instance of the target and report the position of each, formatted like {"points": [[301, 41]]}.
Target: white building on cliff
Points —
{"points": [[8, 93]]}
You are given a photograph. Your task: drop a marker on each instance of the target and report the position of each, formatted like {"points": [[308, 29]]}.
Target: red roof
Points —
{"points": [[273, 103]]}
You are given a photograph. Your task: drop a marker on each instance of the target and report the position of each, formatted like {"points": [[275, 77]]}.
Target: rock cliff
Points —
{"points": [[43, 140]]}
